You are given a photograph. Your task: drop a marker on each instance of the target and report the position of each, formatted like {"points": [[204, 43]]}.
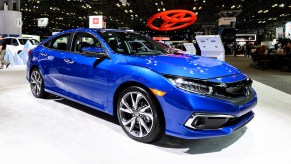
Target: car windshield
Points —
{"points": [[32, 41], [132, 43]]}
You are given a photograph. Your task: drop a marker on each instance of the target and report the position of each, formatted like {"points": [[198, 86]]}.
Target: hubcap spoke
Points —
{"points": [[129, 121], [37, 89], [138, 98], [133, 102], [126, 105], [144, 125], [34, 88], [140, 128], [126, 110], [132, 125], [144, 108], [147, 115]]}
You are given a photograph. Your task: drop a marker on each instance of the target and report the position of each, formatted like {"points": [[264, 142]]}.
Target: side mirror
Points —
{"points": [[94, 52]]}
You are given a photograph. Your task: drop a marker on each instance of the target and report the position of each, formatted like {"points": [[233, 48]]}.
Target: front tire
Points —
{"points": [[138, 115], [37, 84]]}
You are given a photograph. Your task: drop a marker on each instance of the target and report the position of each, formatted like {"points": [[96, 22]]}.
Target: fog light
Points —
{"points": [[199, 123]]}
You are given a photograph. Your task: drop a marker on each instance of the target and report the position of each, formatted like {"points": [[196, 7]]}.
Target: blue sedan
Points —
{"points": [[151, 89]]}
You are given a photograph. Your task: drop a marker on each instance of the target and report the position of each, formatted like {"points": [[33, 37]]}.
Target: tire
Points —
{"points": [[139, 116], [37, 84]]}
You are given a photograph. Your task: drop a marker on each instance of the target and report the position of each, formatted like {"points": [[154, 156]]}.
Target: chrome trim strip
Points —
{"points": [[192, 118]]}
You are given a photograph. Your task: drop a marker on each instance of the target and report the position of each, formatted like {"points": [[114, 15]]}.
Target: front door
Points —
{"points": [[84, 79]]}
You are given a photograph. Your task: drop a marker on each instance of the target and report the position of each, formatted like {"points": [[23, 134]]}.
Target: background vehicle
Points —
{"points": [[18, 43], [151, 92]]}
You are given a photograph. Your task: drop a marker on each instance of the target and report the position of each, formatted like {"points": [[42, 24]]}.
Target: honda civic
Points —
{"points": [[151, 89]]}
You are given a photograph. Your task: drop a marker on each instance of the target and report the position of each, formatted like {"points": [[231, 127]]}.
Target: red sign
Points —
{"points": [[161, 38], [173, 20], [95, 20]]}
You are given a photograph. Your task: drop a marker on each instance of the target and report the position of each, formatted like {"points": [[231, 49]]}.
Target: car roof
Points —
{"points": [[96, 30], [16, 38]]}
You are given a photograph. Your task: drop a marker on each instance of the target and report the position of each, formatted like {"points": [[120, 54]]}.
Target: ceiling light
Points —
{"points": [[282, 5], [126, 11], [275, 5], [130, 11]]}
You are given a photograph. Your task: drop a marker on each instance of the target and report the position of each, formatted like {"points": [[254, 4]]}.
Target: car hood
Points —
{"points": [[184, 65]]}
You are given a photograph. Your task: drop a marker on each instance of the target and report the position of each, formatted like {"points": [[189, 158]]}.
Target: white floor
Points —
{"points": [[55, 131]]}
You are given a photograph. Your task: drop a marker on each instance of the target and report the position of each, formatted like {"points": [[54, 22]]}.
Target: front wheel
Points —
{"points": [[37, 84], [138, 115]]}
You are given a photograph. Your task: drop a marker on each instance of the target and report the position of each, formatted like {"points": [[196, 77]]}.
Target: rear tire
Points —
{"points": [[138, 115], [37, 84]]}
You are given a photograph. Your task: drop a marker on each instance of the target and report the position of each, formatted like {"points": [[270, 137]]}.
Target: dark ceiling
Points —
{"points": [[65, 14]]}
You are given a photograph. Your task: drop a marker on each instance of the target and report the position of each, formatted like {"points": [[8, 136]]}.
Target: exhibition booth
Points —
{"points": [[139, 82]]}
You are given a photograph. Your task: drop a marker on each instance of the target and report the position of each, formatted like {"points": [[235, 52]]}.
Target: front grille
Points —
{"points": [[232, 90]]}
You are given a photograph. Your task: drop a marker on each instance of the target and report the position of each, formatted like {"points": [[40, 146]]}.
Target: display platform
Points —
{"points": [[59, 131]]}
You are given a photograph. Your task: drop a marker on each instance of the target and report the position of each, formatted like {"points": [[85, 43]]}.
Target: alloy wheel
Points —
{"points": [[35, 83], [136, 114]]}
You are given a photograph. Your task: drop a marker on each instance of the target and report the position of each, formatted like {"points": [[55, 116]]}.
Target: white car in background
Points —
{"points": [[18, 43]]}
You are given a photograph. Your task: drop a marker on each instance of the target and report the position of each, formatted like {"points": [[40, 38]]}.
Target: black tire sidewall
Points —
{"points": [[155, 131]]}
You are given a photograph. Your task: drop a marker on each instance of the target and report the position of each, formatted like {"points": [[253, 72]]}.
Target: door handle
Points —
{"points": [[70, 61], [43, 54]]}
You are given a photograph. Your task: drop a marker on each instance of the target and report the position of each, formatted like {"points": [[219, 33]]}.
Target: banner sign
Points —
{"points": [[42, 22], [226, 20], [96, 21], [288, 30]]}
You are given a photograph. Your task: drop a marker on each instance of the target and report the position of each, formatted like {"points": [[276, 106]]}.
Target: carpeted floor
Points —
{"points": [[271, 77]]}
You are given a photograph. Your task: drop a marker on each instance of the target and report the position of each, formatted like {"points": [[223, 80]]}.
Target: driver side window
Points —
{"points": [[82, 40]]}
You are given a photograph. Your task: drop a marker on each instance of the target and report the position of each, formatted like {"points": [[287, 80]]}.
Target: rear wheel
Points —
{"points": [[37, 84], [138, 115]]}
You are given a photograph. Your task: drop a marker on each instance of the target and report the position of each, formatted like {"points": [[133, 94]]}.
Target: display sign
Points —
{"points": [[42, 22], [124, 2], [172, 20], [279, 32], [288, 30], [246, 37], [161, 38], [211, 46], [226, 20], [96, 21], [190, 48]]}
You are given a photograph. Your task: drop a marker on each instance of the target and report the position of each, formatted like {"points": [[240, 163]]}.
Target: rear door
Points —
{"points": [[51, 59]]}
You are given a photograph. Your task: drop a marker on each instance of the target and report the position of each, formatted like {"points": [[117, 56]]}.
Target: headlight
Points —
{"points": [[191, 86]]}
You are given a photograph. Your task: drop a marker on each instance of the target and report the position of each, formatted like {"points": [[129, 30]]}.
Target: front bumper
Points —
{"points": [[180, 106]]}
